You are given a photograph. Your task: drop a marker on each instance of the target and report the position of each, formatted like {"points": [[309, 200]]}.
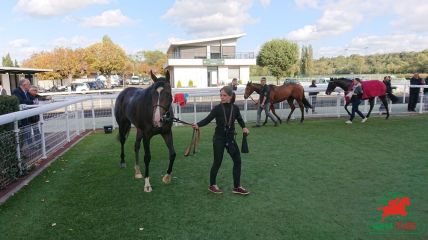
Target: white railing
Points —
{"points": [[61, 121]]}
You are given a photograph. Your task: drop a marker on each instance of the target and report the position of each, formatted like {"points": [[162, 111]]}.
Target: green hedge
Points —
{"points": [[8, 161]]}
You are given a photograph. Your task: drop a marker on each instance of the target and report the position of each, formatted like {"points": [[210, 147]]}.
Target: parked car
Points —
{"points": [[146, 81], [115, 80], [135, 80], [79, 87], [95, 85]]}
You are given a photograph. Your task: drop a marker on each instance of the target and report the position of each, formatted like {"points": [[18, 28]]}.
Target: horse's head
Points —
{"points": [[161, 99], [249, 89], [331, 86]]}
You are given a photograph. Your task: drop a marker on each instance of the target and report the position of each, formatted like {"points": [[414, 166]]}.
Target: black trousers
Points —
{"points": [[219, 144], [413, 99]]}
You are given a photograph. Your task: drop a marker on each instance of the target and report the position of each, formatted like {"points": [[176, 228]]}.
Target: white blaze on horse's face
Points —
{"points": [[157, 115]]}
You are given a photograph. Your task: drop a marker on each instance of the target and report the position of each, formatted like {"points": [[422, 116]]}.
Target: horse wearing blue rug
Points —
{"points": [[148, 110]]}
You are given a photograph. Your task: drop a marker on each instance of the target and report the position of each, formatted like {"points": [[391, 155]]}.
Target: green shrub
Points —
{"points": [[179, 84], [8, 160], [190, 83]]}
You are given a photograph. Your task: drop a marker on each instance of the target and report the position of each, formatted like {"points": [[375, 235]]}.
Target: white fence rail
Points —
{"points": [[61, 121]]}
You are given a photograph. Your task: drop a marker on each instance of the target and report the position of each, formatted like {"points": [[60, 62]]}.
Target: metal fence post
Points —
{"points": [[83, 117], [76, 115], [245, 110], [421, 101], [67, 123], [18, 146], [338, 104], [194, 109], [93, 114], [42, 135], [112, 113]]}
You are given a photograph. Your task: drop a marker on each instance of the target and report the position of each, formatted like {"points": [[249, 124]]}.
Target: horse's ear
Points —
{"points": [[154, 78], [167, 77]]}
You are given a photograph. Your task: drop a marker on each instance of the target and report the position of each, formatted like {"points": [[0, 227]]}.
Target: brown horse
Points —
{"points": [[289, 92]]}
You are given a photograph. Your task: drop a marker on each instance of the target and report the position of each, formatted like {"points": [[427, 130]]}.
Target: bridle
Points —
{"points": [[251, 97]]}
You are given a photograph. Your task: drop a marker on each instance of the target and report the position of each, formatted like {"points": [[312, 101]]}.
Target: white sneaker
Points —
{"points": [[364, 120], [348, 122]]}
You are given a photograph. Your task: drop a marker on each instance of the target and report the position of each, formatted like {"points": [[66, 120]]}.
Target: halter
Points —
{"points": [[166, 116]]}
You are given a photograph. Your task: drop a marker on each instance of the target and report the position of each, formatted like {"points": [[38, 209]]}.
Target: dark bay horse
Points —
{"points": [[289, 92], [371, 89], [146, 109]]}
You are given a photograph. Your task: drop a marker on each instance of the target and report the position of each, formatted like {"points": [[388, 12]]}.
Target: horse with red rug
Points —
{"points": [[371, 89]]}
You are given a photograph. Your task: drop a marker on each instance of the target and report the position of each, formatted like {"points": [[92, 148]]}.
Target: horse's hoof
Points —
{"points": [[166, 179], [138, 176], [148, 189], [122, 165]]}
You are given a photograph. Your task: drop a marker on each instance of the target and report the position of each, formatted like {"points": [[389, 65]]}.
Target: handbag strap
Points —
{"points": [[226, 122]]}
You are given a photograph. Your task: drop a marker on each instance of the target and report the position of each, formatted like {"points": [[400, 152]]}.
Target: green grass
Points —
{"points": [[318, 180]]}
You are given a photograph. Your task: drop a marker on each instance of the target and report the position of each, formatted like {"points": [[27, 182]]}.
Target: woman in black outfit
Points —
{"points": [[225, 115]]}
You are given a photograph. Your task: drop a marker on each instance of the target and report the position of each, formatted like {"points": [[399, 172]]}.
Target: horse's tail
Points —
{"points": [[120, 115], [306, 102]]}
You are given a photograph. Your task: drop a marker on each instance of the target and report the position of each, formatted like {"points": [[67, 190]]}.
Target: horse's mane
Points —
{"points": [[340, 79]]}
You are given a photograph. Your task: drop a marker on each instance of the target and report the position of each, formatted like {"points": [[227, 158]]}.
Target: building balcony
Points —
{"points": [[197, 55]]}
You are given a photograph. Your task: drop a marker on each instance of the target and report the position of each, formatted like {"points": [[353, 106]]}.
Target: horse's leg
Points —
{"points": [[266, 118], [302, 108], [385, 103], [147, 157], [272, 108], [346, 107], [292, 107], [137, 153], [371, 102], [124, 127], [167, 137]]}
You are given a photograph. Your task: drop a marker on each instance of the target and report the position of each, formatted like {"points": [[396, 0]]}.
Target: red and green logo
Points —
{"points": [[394, 215]]}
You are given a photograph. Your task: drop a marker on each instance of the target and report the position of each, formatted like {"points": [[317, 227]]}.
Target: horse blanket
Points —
{"points": [[373, 88]]}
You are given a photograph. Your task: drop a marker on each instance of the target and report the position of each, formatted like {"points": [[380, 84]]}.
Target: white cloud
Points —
{"points": [[378, 45], [309, 3], [341, 16], [265, 3], [48, 8], [411, 15], [110, 18], [73, 42], [19, 43], [211, 18]]}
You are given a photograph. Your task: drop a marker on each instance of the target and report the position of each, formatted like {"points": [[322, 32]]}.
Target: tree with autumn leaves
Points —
{"points": [[104, 58]]}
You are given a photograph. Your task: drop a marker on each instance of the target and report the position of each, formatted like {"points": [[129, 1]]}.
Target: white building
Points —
{"points": [[208, 62]]}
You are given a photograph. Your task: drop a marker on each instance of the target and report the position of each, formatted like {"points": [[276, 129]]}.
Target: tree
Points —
{"points": [[155, 60], [280, 57], [16, 63], [7, 61], [106, 57], [306, 66]]}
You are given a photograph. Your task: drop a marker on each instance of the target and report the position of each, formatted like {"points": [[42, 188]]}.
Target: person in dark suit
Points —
{"points": [[21, 92], [414, 92]]}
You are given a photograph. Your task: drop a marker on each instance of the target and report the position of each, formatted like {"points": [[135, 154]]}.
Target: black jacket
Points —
{"points": [[218, 114], [22, 97]]}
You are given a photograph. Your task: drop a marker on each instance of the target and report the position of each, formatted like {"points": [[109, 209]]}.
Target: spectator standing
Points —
{"points": [[225, 115], [313, 97], [21, 92], [264, 103], [234, 85], [414, 92]]}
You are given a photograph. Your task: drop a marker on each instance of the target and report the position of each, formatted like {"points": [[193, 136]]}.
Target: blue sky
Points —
{"points": [[332, 27]]}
